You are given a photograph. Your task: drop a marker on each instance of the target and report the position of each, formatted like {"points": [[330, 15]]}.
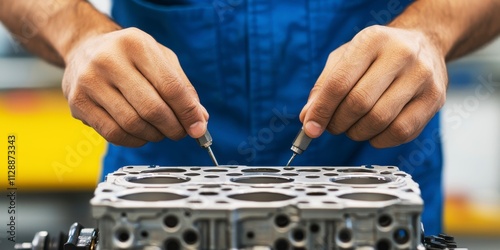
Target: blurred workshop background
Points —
{"points": [[59, 157]]}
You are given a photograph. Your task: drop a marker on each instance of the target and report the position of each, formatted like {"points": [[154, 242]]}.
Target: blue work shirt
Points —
{"points": [[253, 64]]}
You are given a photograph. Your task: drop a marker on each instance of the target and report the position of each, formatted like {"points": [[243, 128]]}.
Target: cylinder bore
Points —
{"points": [[361, 180], [152, 196], [261, 197], [260, 170], [261, 180], [164, 170], [161, 179], [356, 170], [368, 197]]}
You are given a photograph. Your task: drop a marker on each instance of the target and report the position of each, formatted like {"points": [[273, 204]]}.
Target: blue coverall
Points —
{"points": [[253, 64]]}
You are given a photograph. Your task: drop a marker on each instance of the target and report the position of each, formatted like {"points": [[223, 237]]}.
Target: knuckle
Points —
{"points": [[113, 134], [157, 138], [171, 86], [78, 104], [379, 119], [322, 112], [133, 31], [436, 96], [133, 124], [379, 144], [424, 71], [354, 134], [188, 114], [372, 33], [405, 53], [338, 84], [176, 134], [135, 40], [103, 60], [401, 131], [359, 102], [332, 128], [153, 112]]}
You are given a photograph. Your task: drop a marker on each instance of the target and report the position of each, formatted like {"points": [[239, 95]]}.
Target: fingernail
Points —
{"points": [[313, 129], [197, 129]]}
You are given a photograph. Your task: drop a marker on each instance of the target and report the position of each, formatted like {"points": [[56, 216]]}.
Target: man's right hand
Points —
{"points": [[131, 89]]}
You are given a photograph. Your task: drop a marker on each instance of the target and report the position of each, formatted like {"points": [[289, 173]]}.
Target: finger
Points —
{"points": [[148, 104], [173, 89], [363, 96], [386, 109], [333, 59], [407, 125], [332, 89], [181, 72], [96, 117], [124, 114]]}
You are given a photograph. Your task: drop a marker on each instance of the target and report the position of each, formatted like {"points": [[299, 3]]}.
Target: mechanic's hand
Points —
{"points": [[131, 89], [383, 86]]}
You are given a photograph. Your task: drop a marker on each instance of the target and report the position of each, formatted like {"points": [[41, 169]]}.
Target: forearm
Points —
{"points": [[457, 27], [52, 28]]}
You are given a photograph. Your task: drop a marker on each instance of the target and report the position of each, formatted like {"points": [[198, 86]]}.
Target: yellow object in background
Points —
{"points": [[462, 216], [54, 151]]}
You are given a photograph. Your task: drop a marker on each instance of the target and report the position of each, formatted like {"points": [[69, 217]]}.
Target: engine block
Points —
{"points": [[242, 207]]}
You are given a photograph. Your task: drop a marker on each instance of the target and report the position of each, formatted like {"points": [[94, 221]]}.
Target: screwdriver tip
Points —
{"points": [[291, 159], [211, 153]]}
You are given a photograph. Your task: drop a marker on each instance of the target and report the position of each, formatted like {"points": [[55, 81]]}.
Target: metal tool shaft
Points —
{"points": [[299, 145], [205, 142]]}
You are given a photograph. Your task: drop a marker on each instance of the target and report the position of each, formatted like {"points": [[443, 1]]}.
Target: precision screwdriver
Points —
{"points": [[205, 142], [299, 145]]}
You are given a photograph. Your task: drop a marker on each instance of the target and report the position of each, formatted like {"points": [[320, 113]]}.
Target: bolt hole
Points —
{"points": [[209, 193], [171, 221], [144, 234], [122, 235], [314, 228], [384, 220], [316, 193], [281, 244], [281, 220], [250, 235], [312, 176], [401, 236], [383, 244], [190, 237], [124, 214], [345, 235], [172, 244], [298, 235]]}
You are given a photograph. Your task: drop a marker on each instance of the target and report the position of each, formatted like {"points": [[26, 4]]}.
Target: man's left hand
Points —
{"points": [[383, 86]]}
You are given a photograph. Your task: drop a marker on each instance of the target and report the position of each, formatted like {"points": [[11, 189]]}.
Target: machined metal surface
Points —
{"points": [[241, 207]]}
